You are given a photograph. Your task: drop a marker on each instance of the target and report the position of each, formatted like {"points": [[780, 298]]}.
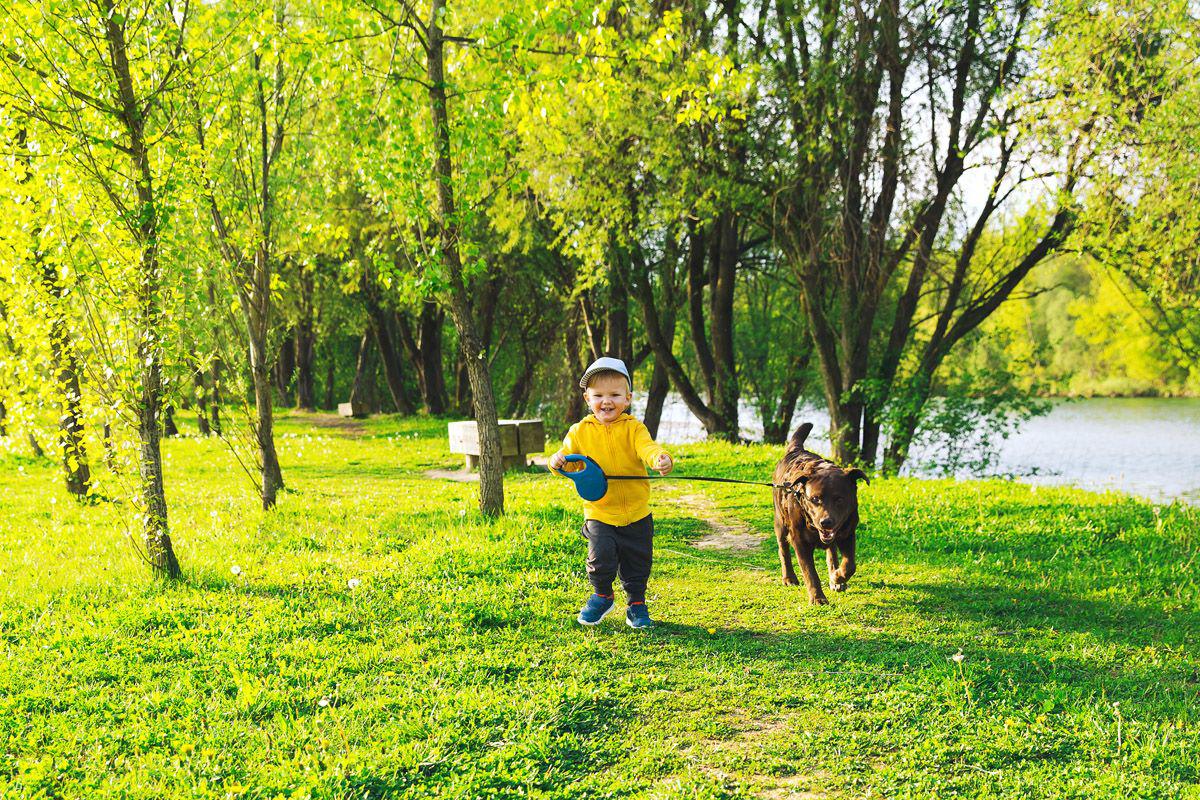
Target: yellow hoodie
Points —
{"points": [[623, 447]]}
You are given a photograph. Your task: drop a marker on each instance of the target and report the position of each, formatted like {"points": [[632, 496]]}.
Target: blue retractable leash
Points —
{"points": [[592, 483]]}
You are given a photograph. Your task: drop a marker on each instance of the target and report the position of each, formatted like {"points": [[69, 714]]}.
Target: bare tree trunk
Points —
{"points": [[491, 466]]}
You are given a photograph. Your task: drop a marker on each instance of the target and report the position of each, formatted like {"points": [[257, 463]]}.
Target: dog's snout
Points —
{"points": [[827, 522]]}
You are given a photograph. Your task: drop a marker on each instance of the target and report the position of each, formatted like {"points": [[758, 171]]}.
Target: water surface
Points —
{"points": [[1148, 447]]}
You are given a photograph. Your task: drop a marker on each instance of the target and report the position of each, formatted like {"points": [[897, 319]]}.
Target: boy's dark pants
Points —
{"points": [[622, 551]]}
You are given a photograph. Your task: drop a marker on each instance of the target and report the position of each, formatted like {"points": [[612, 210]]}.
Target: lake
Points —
{"points": [[1148, 447]]}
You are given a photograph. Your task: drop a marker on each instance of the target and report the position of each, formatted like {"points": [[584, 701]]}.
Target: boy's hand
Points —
{"points": [[557, 461], [663, 464]]}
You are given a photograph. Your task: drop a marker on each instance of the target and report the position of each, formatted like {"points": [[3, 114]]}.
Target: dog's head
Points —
{"points": [[832, 498]]}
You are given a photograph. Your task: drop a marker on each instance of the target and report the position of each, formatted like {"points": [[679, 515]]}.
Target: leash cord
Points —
{"points": [[787, 487]]}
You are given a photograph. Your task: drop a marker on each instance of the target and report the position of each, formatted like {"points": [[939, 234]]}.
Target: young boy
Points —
{"points": [[618, 526]]}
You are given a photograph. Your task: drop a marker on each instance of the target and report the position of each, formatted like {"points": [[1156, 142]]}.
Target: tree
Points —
{"points": [[252, 106], [1132, 70], [74, 70], [865, 188]]}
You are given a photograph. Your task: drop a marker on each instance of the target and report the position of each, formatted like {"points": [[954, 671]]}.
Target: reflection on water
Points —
{"points": [[1149, 447]]}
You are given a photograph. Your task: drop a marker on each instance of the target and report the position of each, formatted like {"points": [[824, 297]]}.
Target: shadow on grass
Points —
{"points": [[1008, 609], [879, 662]]}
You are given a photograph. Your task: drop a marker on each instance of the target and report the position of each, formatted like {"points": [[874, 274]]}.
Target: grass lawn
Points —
{"points": [[382, 640]]}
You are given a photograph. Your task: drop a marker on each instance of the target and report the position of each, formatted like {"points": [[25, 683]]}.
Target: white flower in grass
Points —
{"points": [[235, 569], [462, 512], [353, 583], [958, 657], [323, 702]]}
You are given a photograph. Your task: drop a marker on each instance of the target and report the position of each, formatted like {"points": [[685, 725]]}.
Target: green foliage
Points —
{"points": [[1082, 330], [380, 639]]}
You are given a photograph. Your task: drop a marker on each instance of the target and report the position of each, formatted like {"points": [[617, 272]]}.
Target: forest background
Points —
{"points": [[923, 215]]}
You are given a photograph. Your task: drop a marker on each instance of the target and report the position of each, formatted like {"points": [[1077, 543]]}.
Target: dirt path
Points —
{"points": [[725, 533], [334, 422]]}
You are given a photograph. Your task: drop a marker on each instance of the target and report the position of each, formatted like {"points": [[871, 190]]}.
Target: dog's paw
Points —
{"points": [[837, 587], [818, 601], [790, 581]]}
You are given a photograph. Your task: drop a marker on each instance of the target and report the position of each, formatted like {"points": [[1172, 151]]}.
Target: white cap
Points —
{"points": [[602, 364]]}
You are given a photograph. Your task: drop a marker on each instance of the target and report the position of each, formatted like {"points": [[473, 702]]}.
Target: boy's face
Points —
{"points": [[608, 396]]}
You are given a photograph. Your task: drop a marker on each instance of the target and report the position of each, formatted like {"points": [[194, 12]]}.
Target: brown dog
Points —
{"points": [[820, 510]]}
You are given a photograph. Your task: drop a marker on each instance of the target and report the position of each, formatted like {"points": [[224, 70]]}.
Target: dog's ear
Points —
{"points": [[858, 475]]}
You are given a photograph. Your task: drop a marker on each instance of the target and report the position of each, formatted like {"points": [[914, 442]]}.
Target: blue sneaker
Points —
{"points": [[638, 616], [594, 610]]}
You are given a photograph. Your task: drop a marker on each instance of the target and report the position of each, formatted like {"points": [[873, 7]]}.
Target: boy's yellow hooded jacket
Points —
{"points": [[623, 447]]}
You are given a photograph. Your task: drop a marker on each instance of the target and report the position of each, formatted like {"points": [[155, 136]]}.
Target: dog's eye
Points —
{"points": [[815, 500]]}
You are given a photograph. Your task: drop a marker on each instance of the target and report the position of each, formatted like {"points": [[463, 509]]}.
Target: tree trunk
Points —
{"points": [[618, 342], [392, 363], [170, 429], [656, 397], [462, 385], [425, 351], [574, 409], [330, 372], [306, 395], [159, 551], [66, 369], [491, 466], [285, 365], [201, 402], [363, 370], [65, 363], [777, 426], [264, 427], [215, 405], [518, 398]]}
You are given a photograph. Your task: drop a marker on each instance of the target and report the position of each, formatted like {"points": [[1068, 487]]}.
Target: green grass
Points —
{"points": [[455, 669]]}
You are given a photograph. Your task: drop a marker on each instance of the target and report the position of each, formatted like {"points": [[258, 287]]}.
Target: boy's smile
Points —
{"points": [[608, 397]]}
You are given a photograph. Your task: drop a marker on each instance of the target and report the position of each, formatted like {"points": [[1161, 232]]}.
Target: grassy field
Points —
{"points": [[374, 637]]}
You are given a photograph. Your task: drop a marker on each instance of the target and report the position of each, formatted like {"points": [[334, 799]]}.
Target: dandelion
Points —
{"points": [[235, 569], [186, 748], [323, 702], [462, 512], [353, 583], [712, 630], [958, 657]]}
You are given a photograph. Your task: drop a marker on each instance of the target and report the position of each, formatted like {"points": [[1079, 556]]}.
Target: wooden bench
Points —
{"points": [[518, 438]]}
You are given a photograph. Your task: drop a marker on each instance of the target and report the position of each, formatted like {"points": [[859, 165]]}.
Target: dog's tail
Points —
{"points": [[797, 442]]}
